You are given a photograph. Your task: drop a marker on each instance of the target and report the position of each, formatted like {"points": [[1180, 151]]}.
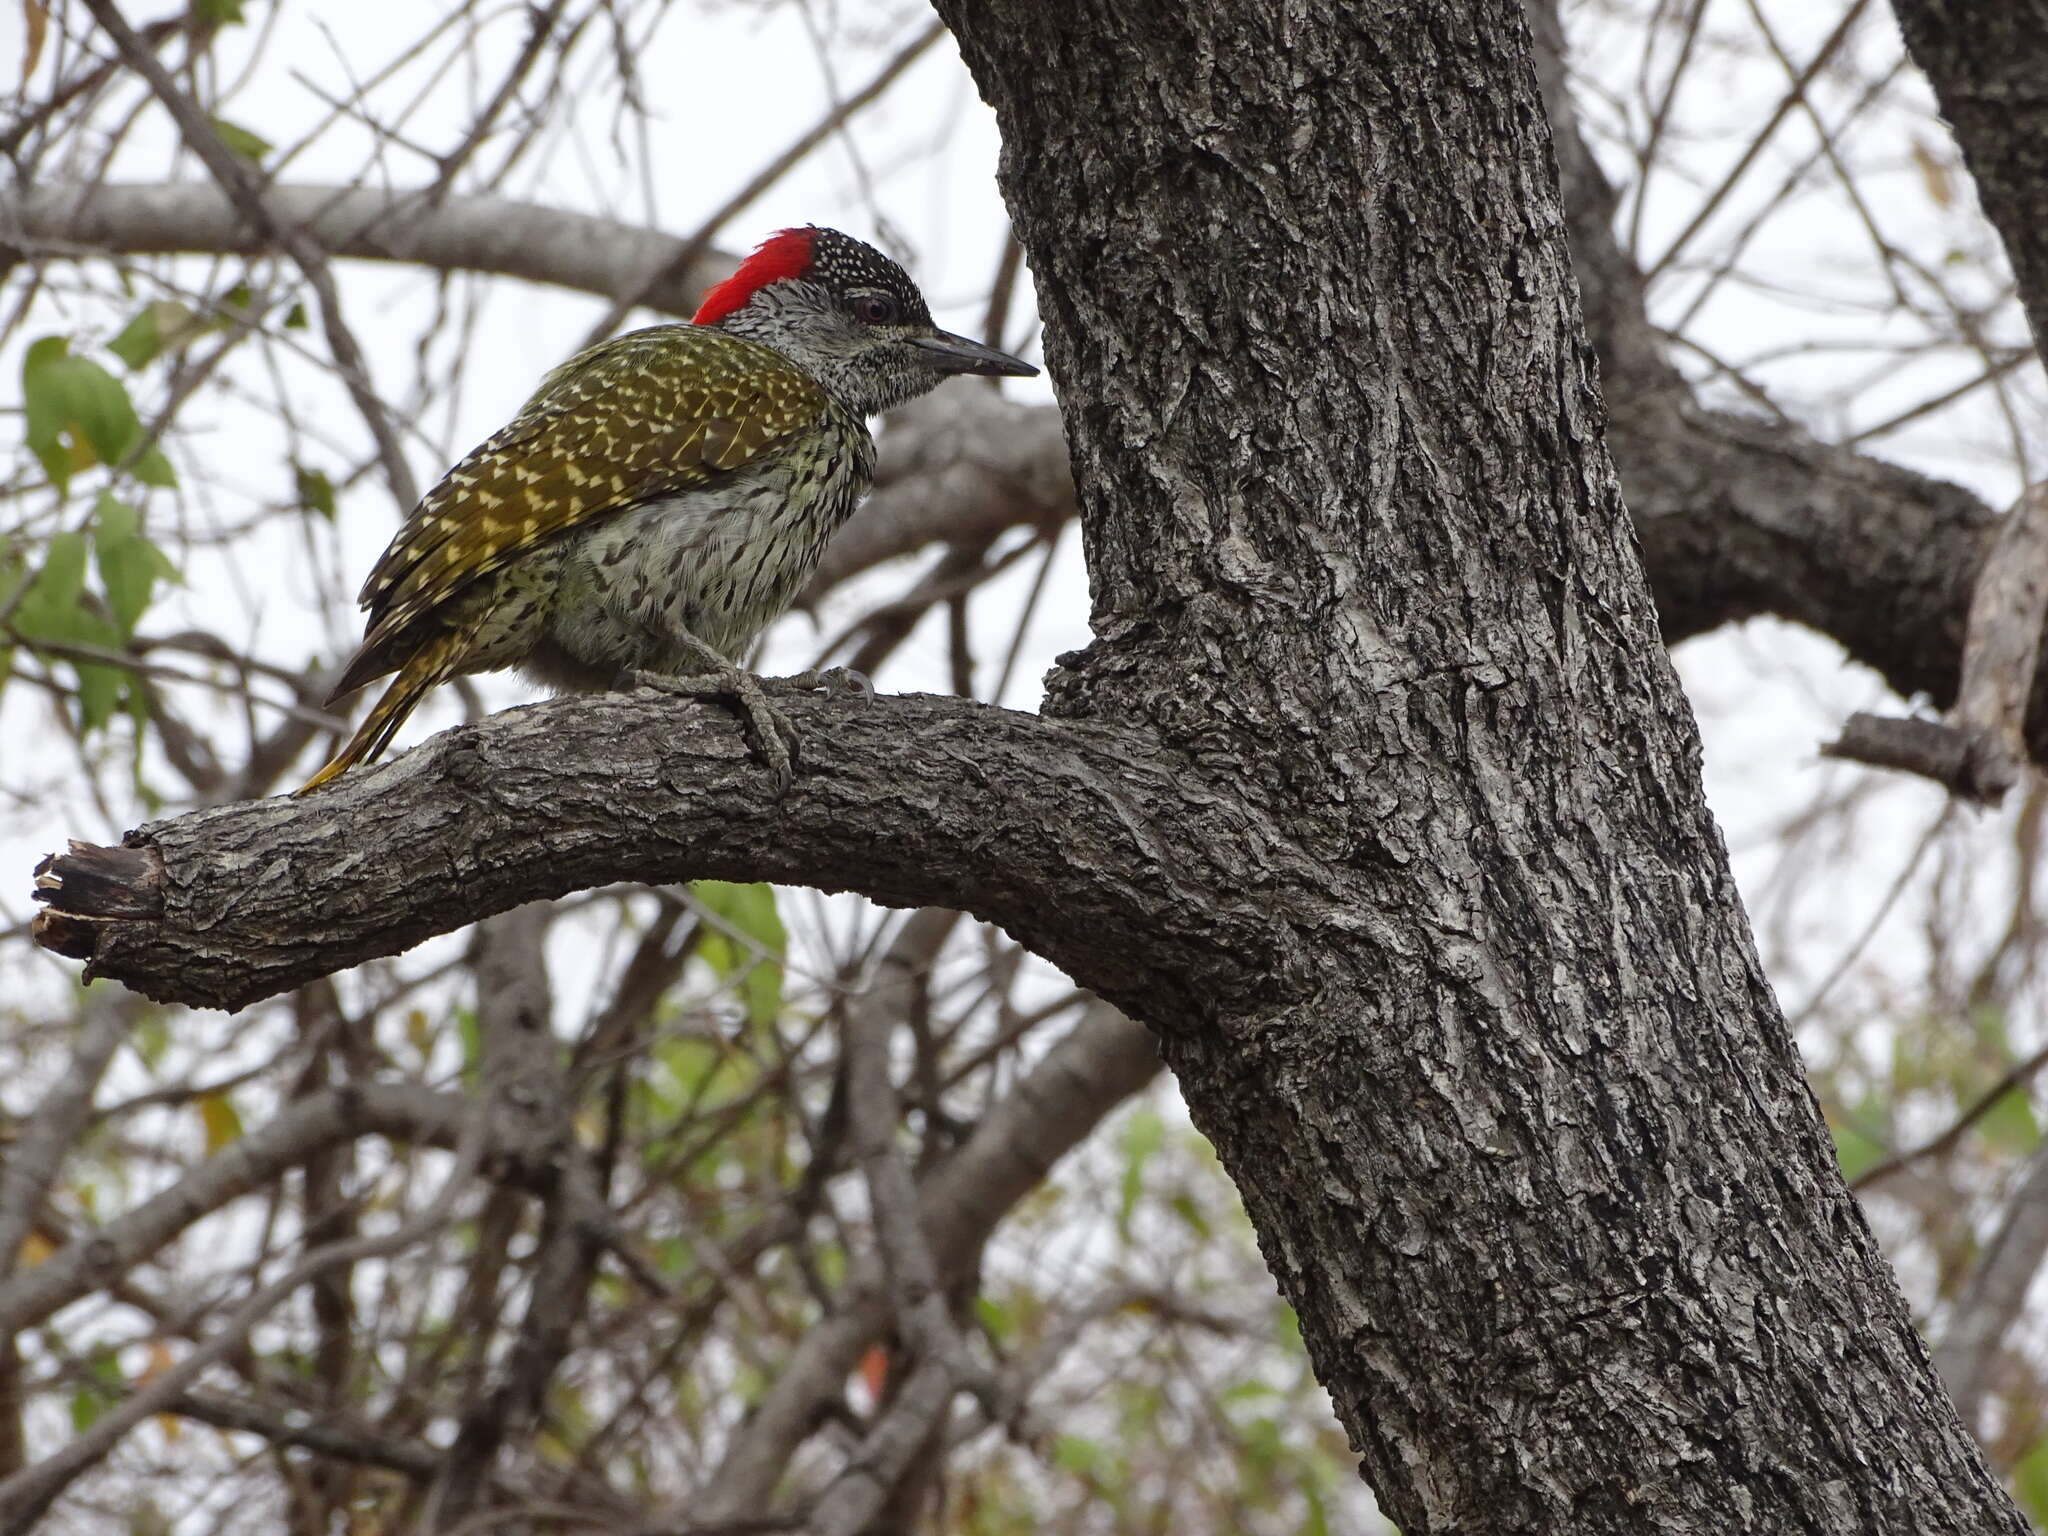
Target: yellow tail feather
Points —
{"points": [[422, 672]]}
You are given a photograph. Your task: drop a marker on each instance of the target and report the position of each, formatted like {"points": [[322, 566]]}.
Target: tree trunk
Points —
{"points": [[1522, 1131]]}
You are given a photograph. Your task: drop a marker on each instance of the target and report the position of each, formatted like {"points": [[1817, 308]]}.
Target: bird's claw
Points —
{"points": [[769, 733], [833, 682]]}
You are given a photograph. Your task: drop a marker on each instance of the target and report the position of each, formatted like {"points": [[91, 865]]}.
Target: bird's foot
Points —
{"points": [[770, 734], [833, 682]]}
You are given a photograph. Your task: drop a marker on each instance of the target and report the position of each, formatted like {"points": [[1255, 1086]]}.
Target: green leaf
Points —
{"points": [[1077, 1453], [158, 325], [103, 1385], [49, 609], [219, 13], [1143, 1135], [86, 1407], [152, 468], [1862, 1132], [1191, 1213], [140, 340], [78, 413], [99, 694], [242, 141], [1856, 1152], [749, 911], [295, 318], [55, 607], [997, 1320], [316, 491], [129, 564]]}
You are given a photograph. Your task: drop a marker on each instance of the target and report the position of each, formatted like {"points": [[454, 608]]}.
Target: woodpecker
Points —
{"points": [[662, 497]]}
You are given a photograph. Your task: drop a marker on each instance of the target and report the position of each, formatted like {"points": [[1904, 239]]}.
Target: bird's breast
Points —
{"points": [[719, 564]]}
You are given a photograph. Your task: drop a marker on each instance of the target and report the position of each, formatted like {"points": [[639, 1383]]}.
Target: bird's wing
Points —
{"points": [[649, 414]]}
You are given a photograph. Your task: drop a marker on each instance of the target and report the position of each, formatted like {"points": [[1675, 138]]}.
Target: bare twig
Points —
{"points": [[694, 249], [526, 1084], [1792, 98], [26, 1496], [333, 1436], [1094, 1067], [540, 27], [1982, 1106], [244, 189], [31, 1164], [910, 1273], [403, 1110]]}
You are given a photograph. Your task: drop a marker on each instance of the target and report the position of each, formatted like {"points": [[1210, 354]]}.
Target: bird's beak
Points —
{"points": [[956, 354]]}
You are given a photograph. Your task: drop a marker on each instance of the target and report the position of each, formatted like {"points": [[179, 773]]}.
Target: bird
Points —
{"points": [[662, 497]]}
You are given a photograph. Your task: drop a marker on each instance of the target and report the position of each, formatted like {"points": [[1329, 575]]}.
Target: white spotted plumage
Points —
{"points": [[664, 495]]}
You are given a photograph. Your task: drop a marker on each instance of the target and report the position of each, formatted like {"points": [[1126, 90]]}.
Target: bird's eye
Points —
{"points": [[875, 309]]}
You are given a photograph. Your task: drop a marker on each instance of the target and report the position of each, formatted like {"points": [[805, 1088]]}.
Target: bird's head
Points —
{"points": [[849, 316]]}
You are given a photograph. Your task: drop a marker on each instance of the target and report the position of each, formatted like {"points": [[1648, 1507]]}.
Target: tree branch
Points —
{"points": [[329, 1437], [473, 233], [245, 190], [31, 1166], [1997, 1290], [527, 1084], [1095, 1066], [1050, 829], [404, 1111], [26, 1496]]}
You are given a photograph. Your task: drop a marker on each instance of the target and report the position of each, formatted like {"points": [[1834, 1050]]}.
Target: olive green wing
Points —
{"points": [[653, 413]]}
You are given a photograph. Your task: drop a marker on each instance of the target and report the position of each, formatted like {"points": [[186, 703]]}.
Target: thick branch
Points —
{"points": [[474, 233], [1049, 830]]}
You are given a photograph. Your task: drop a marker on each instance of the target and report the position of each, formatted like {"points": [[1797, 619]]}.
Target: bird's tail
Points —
{"points": [[426, 669]]}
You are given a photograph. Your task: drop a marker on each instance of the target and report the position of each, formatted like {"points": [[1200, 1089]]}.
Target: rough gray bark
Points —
{"points": [[1375, 796], [1516, 1117], [1067, 836]]}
